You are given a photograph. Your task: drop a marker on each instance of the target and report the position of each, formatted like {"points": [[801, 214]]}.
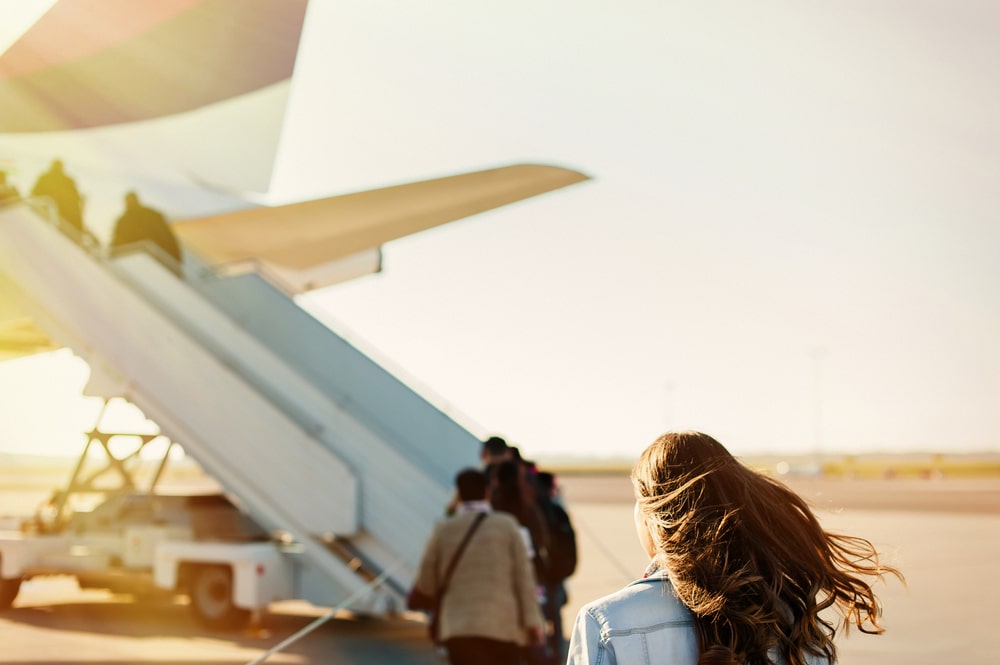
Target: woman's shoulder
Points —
{"points": [[648, 602]]}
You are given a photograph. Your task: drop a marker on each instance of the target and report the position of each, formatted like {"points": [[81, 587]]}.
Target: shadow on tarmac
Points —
{"points": [[121, 621]]}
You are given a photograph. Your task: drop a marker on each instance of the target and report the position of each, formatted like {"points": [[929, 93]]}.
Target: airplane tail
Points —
{"points": [[160, 88]]}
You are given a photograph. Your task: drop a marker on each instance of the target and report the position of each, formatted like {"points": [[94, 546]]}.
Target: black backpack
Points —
{"points": [[562, 543]]}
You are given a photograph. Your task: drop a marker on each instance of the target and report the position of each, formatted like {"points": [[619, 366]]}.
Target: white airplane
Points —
{"points": [[311, 437], [184, 101]]}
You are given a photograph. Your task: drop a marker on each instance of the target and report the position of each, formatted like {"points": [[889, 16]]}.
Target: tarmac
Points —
{"points": [[943, 534]]}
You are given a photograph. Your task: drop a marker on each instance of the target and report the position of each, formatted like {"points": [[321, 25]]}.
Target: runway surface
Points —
{"points": [[944, 535]]}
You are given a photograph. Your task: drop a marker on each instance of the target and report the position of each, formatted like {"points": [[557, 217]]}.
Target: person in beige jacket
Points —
{"points": [[489, 610]]}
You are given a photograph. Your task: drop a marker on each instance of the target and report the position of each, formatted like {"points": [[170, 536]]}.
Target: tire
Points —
{"points": [[8, 591], [211, 594]]}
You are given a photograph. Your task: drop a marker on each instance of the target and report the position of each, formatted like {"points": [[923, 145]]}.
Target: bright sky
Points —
{"points": [[790, 241]]}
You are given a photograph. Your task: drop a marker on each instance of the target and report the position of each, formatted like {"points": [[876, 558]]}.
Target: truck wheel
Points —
{"points": [[212, 598], [8, 591]]}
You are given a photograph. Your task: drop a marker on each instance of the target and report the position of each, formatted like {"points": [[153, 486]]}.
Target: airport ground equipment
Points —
{"points": [[111, 527], [341, 465]]}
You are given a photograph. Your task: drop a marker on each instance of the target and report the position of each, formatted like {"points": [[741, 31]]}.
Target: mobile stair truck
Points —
{"points": [[338, 469]]}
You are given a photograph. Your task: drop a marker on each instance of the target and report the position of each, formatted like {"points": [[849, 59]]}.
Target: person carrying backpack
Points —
{"points": [[562, 559]]}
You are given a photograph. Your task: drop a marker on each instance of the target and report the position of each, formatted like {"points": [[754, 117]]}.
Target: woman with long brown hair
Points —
{"points": [[741, 571]]}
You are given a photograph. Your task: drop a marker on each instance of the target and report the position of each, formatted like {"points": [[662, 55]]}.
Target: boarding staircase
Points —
{"points": [[312, 438]]}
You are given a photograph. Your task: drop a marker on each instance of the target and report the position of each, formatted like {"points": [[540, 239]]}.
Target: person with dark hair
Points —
{"points": [[494, 451], [505, 491], [487, 608], [562, 562], [471, 486], [513, 493], [741, 570], [58, 187], [140, 223], [510, 492]]}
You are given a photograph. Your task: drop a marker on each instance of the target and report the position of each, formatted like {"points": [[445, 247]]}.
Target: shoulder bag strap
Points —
{"points": [[458, 555]]}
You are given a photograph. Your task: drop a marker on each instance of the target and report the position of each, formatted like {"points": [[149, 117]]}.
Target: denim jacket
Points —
{"points": [[642, 624]]}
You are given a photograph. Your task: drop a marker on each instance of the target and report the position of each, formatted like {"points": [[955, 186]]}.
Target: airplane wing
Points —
{"points": [[309, 243], [201, 87]]}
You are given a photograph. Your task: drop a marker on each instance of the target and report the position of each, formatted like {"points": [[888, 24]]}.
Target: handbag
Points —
{"points": [[418, 600]]}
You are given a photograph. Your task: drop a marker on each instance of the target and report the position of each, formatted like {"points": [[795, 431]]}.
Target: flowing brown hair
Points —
{"points": [[747, 556]]}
